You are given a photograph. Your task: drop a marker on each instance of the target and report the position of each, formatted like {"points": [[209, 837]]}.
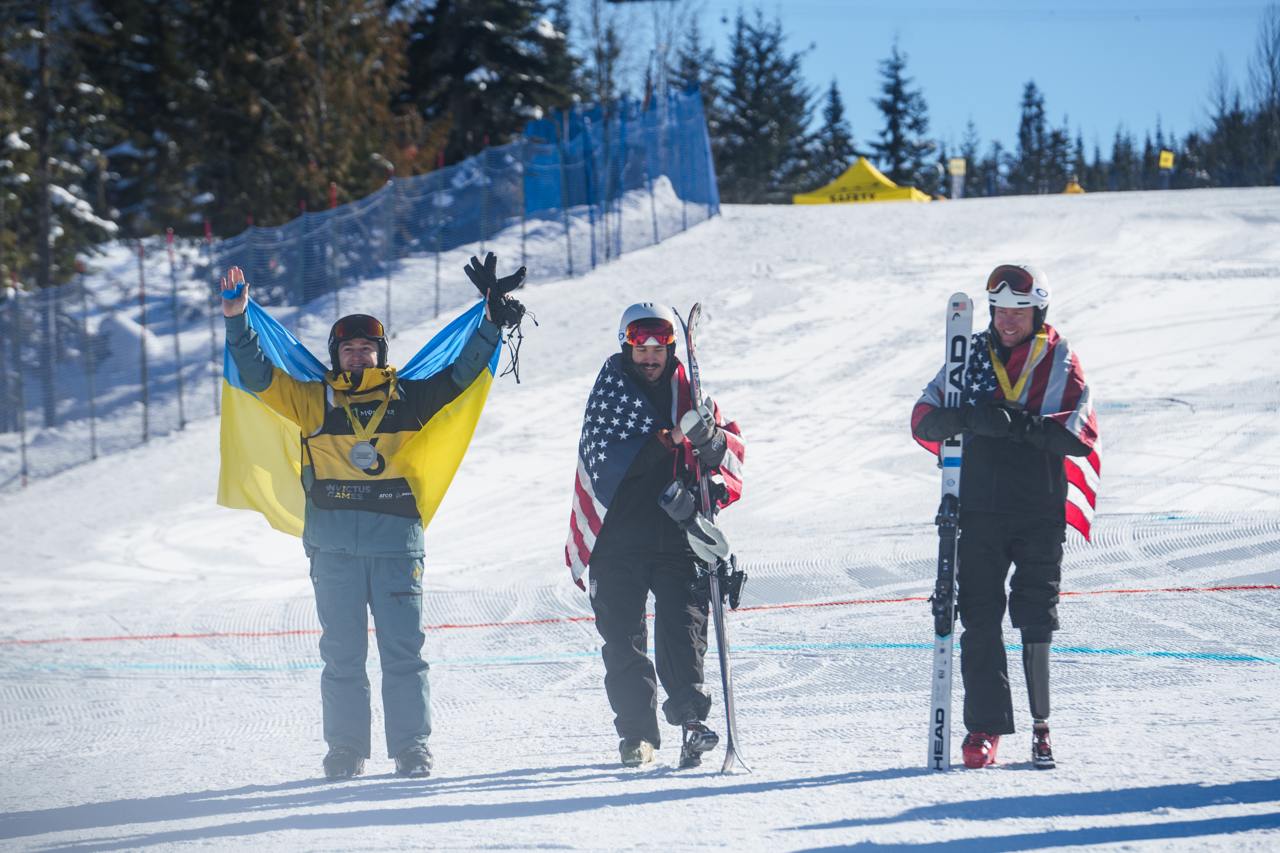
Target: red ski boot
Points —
{"points": [[1041, 750], [979, 749]]}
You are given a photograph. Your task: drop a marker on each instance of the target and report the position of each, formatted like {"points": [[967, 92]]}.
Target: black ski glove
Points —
{"points": [[1046, 434], [941, 424], [990, 419], [503, 309]]}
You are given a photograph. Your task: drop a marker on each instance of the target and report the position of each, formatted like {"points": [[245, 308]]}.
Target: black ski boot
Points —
{"points": [[1041, 751], [343, 762], [414, 762], [697, 740]]}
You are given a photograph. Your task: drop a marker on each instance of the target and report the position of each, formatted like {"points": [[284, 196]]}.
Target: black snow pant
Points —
{"points": [[619, 590], [989, 542]]}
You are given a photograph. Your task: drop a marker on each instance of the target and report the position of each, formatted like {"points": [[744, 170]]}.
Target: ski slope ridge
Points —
{"points": [[158, 666]]}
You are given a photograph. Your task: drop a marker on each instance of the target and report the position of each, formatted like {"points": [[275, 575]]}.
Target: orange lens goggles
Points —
{"points": [[1015, 278], [642, 333]]}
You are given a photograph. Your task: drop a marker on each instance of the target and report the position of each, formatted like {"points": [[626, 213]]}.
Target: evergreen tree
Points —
{"points": [[974, 177], [56, 125], [1264, 80], [1030, 173], [601, 72], [765, 151], [1125, 173], [142, 51], [1057, 158], [695, 66], [835, 150], [480, 68], [1079, 163], [903, 152]]}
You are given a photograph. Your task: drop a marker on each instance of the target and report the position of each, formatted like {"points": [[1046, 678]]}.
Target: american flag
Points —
{"points": [[1057, 389], [619, 419]]}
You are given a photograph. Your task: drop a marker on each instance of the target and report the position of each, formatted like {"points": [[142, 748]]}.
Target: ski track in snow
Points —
{"points": [[823, 325]]}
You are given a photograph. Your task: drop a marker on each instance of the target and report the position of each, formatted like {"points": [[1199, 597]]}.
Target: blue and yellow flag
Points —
{"points": [[261, 450]]}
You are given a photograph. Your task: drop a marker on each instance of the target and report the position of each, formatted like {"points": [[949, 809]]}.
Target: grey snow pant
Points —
{"points": [[347, 588]]}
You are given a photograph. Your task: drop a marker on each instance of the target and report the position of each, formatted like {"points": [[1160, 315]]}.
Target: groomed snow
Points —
{"points": [[158, 670]]}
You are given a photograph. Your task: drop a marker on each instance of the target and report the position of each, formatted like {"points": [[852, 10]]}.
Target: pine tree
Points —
{"points": [[1125, 168], [1079, 163], [765, 150], [974, 177], [1029, 172], [483, 68], [835, 140], [695, 66], [56, 127], [903, 152], [1057, 158], [142, 52], [299, 98]]}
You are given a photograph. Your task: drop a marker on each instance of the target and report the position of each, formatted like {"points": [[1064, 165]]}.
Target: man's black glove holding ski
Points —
{"points": [[708, 440], [991, 419], [503, 310]]}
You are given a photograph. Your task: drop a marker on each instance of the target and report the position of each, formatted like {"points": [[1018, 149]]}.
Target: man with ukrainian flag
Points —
{"points": [[356, 459]]}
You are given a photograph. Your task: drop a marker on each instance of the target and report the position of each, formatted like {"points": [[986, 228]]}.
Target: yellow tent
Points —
{"points": [[860, 182], [1073, 188]]}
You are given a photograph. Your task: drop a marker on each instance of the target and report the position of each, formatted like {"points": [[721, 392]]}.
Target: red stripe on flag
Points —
{"points": [[1096, 461], [587, 503], [1076, 477], [584, 553], [1077, 519]]}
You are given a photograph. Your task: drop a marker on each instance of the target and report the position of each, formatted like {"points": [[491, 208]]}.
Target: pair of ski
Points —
{"points": [[716, 563], [959, 332]]}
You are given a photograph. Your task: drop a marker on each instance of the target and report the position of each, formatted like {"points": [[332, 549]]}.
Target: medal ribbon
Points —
{"points": [[365, 432], [1014, 393]]}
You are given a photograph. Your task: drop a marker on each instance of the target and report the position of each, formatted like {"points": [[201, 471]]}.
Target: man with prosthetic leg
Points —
{"points": [[1030, 468]]}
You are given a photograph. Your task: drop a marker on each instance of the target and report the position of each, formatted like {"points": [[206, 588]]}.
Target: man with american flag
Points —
{"points": [[1031, 467], [631, 450]]}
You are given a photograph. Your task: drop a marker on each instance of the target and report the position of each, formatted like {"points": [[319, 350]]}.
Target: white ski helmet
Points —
{"points": [[645, 311], [1019, 286]]}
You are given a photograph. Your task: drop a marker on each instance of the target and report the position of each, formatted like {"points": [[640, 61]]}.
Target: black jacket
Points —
{"points": [[1020, 476]]}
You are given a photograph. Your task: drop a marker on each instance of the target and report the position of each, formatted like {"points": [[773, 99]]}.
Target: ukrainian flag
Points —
{"points": [[261, 451]]}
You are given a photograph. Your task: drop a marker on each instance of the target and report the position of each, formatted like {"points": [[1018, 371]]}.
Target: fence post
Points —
{"points": [[437, 219], [213, 323], [483, 159], [588, 155], [524, 166], [19, 384], [390, 238], [142, 304], [86, 350], [177, 342], [564, 192], [683, 159]]}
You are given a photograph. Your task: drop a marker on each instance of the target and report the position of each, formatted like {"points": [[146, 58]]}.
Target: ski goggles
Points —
{"points": [[1016, 279], [641, 333], [358, 326]]}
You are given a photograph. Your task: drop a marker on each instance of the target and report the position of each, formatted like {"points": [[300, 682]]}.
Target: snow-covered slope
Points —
{"points": [[158, 671]]}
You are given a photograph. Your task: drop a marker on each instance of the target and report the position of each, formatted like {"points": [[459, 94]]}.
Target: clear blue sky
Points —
{"points": [[1101, 64]]}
